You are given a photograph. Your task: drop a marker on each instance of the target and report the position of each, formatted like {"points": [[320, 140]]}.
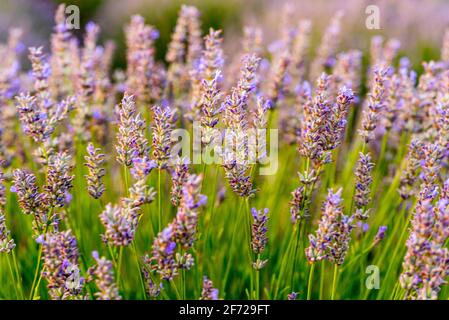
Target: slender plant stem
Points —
{"points": [[13, 278], [183, 287], [322, 271], [295, 256], [142, 282], [309, 285], [178, 296], [334, 281], [159, 200], [258, 281], [18, 276], [248, 236], [36, 273], [119, 265]]}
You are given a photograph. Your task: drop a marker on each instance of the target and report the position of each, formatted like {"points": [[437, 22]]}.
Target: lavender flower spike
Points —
{"points": [[162, 258], [208, 292], [103, 273], [131, 140], [186, 221], [375, 105], [162, 128], [180, 176], [61, 268], [332, 238], [259, 237], [380, 235], [296, 204], [94, 162], [6, 243], [259, 230], [59, 179], [363, 183]]}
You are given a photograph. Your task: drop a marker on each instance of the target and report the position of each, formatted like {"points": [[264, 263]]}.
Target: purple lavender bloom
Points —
{"points": [[259, 230], [120, 223], [131, 140], [186, 221], [180, 176], [31, 200], [94, 163], [59, 179], [380, 234], [142, 167], [61, 268], [103, 274], [162, 260], [331, 241], [6, 243], [208, 292], [375, 105], [292, 296], [162, 127], [363, 183]]}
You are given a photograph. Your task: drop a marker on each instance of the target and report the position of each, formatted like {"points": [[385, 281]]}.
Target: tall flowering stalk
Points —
{"points": [[103, 275], [61, 266], [425, 263], [184, 49], [363, 183], [94, 163], [62, 56], [59, 180], [375, 105], [180, 175], [32, 201], [131, 140], [169, 253], [9, 86], [141, 68], [331, 241], [300, 47], [325, 57], [409, 175], [212, 63], [235, 160], [162, 127], [259, 240]]}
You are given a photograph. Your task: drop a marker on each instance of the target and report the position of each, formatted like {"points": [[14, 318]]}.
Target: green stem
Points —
{"points": [[321, 279], [18, 277], [258, 281], [13, 278], [183, 287], [142, 282], [334, 282], [159, 200], [36, 273], [295, 256], [248, 236], [119, 265], [309, 285], [178, 296]]}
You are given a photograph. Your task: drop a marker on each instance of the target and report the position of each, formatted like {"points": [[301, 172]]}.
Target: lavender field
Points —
{"points": [[283, 152]]}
